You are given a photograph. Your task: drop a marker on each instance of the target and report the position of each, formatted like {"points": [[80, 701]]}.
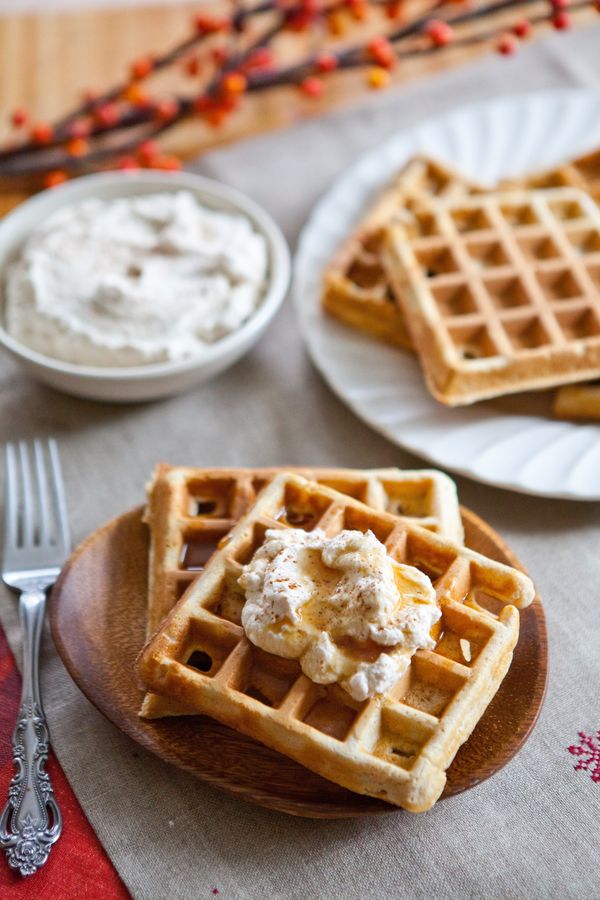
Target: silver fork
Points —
{"points": [[36, 543]]}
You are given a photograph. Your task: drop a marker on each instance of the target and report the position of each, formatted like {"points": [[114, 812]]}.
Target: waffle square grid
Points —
{"points": [[356, 289], [502, 293], [395, 747]]}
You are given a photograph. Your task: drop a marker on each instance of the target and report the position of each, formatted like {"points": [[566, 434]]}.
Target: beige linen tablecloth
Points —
{"points": [[532, 830]]}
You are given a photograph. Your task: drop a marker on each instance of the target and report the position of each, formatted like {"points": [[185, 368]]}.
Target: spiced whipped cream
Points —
{"points": [[340, 605], [134, 280]]}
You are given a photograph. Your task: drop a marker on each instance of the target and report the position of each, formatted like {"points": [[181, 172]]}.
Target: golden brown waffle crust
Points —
{"points": [[540, 333], [428, 493], [393, 748], [372, 309]]}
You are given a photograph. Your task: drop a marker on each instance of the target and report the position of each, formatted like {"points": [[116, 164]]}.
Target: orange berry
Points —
{"points": [[53, 179], [336, 24], [42, 133], [312, 87], [19, 117], [141, 68], [378, 78], [77, 147], [168, 163], [234, 83], [136, 95]]}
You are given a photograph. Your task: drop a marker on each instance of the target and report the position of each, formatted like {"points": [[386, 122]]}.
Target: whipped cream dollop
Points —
{"points": [[340, 605], [134, 280]]}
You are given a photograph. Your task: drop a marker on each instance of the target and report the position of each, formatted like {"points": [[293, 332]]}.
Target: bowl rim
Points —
{"points": [[104, 185]]}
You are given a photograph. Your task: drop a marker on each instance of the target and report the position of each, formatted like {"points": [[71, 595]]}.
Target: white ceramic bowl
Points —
{"points": [[146, 382]]}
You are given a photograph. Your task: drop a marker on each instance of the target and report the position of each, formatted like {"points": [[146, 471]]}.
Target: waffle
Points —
{"points": [[583, 172], [397, 746], [501, 291], [580, 401], [190, 510], [356, 287]]}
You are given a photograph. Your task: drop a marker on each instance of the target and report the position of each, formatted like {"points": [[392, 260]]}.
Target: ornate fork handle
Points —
{"points": [[31, 821]]}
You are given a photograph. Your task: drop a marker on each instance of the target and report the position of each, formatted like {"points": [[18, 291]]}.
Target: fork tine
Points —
{"points": [[42, 492], [58, 491], [27, 523], [11, 497]]}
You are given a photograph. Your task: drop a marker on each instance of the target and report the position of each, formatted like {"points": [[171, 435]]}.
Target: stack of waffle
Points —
{"points": [[206, 524], [497, 291]]}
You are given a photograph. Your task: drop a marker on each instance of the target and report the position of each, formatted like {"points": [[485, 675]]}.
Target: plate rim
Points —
{"points": [[120, 719], [304, 311]]}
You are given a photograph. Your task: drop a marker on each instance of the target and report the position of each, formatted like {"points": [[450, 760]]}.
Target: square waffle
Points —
{"points": [[190, 510], [501, 292], [356, 287], [583, 172], [397, 746]]}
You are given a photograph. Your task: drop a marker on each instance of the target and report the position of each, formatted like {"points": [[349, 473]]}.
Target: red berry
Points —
{"points": [[393, 9], [42, 133], [562, 21], [312, 87], [127, 163], [19, 117], [261, 58], [141, 68], [107, 114], [507, 45], [192, 66], [440, 32], [164, 110], [522, 29], [560, 4], [53, 179], [220, 56], [208, 25], [326, 62], [148, 150], [381, 51], [79, 128]]}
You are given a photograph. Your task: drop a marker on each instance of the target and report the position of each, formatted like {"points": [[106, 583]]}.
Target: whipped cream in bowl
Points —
{"points": [[130, 286]]}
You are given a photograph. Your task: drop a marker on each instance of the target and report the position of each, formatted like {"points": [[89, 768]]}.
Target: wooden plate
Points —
{"points": [[97, 615]]}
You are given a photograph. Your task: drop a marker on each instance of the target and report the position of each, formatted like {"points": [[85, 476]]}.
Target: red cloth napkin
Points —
{"points": [[78, 866]]}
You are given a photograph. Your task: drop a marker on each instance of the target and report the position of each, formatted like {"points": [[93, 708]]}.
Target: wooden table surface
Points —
{"points": [[48, 58]]}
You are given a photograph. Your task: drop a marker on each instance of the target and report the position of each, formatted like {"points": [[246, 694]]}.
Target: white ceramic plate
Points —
{"points": [[511, 443]]}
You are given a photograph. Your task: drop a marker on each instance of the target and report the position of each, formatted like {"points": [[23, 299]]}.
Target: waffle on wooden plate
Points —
{"points": [[501, 291], [356, 287], [190, 510], [396, 746]]}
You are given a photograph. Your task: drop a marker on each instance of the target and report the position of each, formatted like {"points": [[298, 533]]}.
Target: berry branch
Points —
{"points": [[233, 56]]}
